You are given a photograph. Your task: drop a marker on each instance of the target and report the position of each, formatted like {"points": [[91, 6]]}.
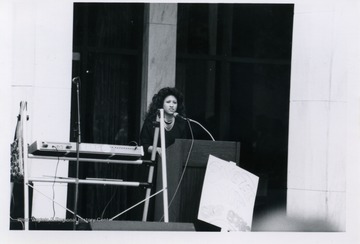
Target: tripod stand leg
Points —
{"points": [[147, 194], [163, 165], [151, 170]]}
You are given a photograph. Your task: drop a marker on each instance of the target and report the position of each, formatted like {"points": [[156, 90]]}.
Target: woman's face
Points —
{"points": [[170, 105]]}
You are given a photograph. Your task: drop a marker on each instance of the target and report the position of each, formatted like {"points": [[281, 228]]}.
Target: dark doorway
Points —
{"points": [[107, 47], [233, 64]]}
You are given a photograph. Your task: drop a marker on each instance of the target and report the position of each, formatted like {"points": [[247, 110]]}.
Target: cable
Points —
{"points": [[112, 197], [137, 204], [133, 142], [19, 220], [57, 203], [53, 185]]}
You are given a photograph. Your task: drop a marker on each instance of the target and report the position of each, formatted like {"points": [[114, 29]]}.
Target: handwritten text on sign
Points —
{"points": [[228, 196]]}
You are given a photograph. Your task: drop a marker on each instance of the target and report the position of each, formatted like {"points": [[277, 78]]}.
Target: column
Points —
{"points": [[159, 54], [317, 131]]}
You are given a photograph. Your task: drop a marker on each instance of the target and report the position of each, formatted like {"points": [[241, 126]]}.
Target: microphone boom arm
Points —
{"points": [[194, 121]]}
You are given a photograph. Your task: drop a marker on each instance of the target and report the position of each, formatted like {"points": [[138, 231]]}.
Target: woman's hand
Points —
{"points": [[158, 149]]}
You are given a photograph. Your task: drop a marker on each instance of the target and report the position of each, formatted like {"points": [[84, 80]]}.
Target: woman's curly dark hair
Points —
{"points": [[158, 101]]}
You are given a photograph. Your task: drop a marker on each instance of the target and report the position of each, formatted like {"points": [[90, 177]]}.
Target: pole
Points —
{"points": [[78, 141], [163, 164]]}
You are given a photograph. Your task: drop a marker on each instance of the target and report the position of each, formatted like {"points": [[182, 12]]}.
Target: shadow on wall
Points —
{"points": [[277, 220]]}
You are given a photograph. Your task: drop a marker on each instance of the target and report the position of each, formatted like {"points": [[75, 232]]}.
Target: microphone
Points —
{"points": [[76, 80], [178, 115]]}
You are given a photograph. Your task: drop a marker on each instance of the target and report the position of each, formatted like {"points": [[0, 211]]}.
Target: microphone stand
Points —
{"points": [[76, 80]]}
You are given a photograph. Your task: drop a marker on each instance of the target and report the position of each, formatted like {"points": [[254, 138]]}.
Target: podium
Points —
{"points": [[184, 207]]}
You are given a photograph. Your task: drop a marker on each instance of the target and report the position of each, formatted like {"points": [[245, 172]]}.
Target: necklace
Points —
{"points": [[167, 122], [169, 125]]}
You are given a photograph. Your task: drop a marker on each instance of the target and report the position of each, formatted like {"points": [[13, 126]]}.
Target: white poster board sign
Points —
{"points": [[228, 196]]}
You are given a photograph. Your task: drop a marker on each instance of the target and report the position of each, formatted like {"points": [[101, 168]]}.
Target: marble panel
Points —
{"points": [[47, 167], [20, 93], [311, 57], [163, 13], [352, 190], [306, 211], [310, 6], [50, 110], [43, 207], [308, 145], [41, 107], [6, 129], [24, 43], [340, 53], [306, 204], [337, 210], [53, 47], [336, 172], [162, 53], [339, 76], [49, 120]]}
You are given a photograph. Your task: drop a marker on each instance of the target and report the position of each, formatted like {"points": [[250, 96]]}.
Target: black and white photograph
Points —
{"points": [[180, 122]]}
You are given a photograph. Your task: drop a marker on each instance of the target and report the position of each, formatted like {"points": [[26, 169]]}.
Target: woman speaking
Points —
{"points": [[172, 101]]}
